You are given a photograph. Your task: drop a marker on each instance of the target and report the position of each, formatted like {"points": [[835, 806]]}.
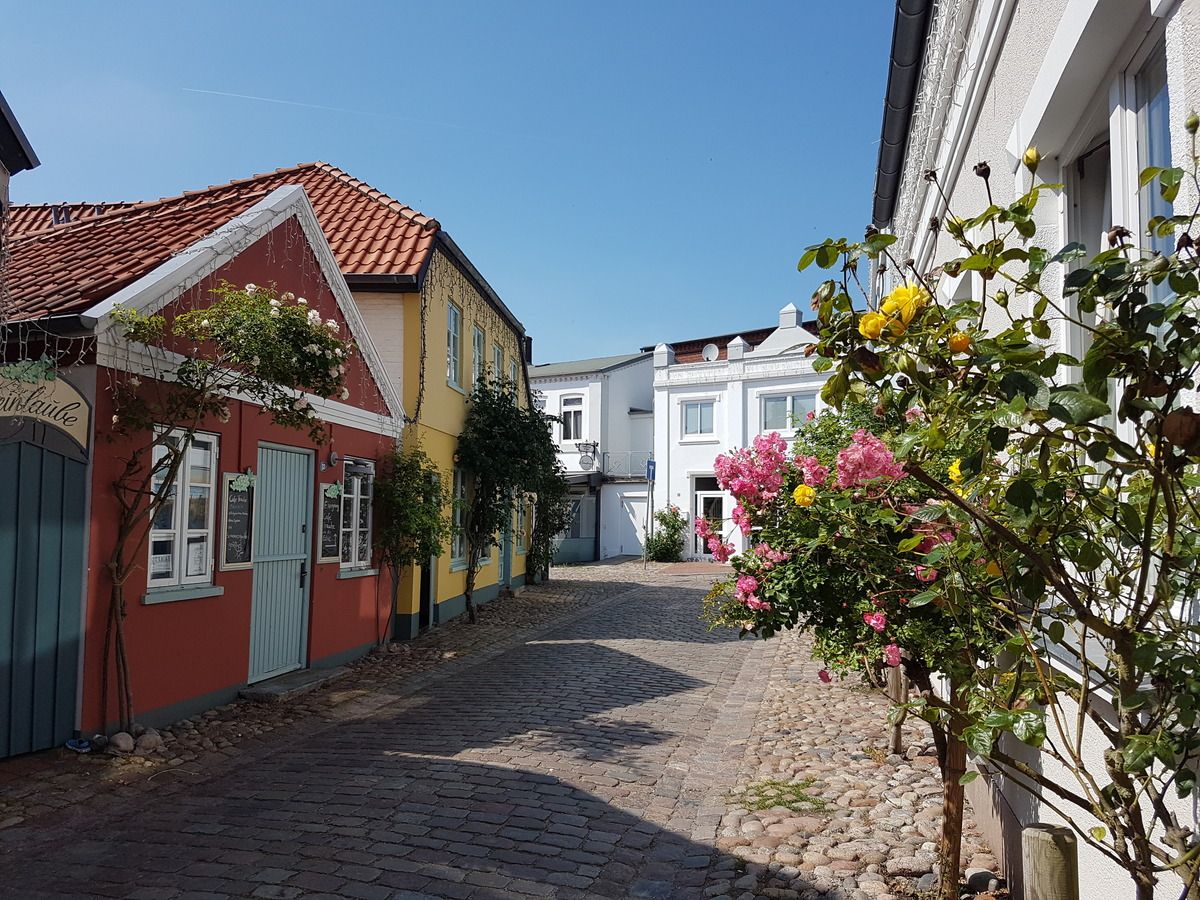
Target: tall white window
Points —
{"points": [[497, 360], [476, 354], [454, 345], [781, 412], [571, 413], [698, 417], [458, 543], [181, 534], [357, 488], [512, 372], [1154, 149], [522, 522]]}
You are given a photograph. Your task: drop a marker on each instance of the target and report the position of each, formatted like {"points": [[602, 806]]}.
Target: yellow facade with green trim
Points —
{"points": [[416, 349]]}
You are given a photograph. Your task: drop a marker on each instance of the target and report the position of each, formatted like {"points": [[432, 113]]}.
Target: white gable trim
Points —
{"points": [[171, 279]]}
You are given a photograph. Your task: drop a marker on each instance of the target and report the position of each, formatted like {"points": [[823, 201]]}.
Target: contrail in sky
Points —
{"points": [[339, 109]]}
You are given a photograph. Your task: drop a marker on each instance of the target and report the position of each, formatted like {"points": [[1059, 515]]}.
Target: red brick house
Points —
{"points": [[267, 568]]}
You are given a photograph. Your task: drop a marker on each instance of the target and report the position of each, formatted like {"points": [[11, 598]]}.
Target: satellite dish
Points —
{"points": [[710, 352], [586, 462]]}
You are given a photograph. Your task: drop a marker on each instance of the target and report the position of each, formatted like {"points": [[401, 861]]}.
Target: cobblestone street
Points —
{"points": [[599, 746]]}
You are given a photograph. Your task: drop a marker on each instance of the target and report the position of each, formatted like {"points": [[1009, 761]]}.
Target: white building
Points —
{"points": [[716, 394], [604, 441], [1101, 88]]}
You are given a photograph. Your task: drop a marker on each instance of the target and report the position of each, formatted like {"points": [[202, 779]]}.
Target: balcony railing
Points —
{"points": [[626, 463]]}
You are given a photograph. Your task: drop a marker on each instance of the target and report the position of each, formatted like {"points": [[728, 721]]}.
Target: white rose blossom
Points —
{"points": [[251, 288], [289, 296], [301, 301], [300, 404], [332, 325], [275, 313], [345, 393], [274, 303]]}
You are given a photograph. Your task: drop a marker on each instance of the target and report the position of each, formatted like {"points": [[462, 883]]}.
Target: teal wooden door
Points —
{"points": [[42, 507], [279, 606]]}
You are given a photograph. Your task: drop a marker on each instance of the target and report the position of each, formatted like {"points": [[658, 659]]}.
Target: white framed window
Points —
{"points": [[358, 485], [476, 354], [454, 345], [1153, 149], [181, 533], [571, 413], [698, 417], [522, 523], [512, 373], [497, 360], [458, 511], [784, 412]]}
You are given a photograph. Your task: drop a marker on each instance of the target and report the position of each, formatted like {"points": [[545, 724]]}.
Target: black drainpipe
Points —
{"points": [[904, 75]]}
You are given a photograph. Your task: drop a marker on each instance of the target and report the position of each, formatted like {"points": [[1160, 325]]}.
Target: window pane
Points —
{"points": [[162, 559], [347, 545], [706, 418], [197, 554], [364, 551], [572, 401], [691, 418], [197, 516], [1154, 149], [364, 506], [164, 518], [775, 413], [802, 405], [200, 460]]}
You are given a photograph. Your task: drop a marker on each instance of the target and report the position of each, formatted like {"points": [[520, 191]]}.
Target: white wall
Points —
{"points": [[622, 519], [1048, 72]]}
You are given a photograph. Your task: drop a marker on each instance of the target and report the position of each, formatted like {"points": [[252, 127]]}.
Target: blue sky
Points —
{"points": [[622, 173]]}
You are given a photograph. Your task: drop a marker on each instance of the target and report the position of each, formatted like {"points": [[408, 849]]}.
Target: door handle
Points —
{"points": [[303, 572]]}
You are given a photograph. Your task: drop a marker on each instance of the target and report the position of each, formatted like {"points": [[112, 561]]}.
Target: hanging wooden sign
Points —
{"points": [[45, 411]]}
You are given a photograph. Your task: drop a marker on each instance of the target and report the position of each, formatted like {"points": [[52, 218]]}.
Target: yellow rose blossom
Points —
{"points": [[993, 569], [955, 471], [871, 325], [804, 495], [960, 342]]}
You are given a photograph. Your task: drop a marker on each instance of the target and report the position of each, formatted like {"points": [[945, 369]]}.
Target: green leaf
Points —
{"points": [[1098, 832], [1029, 727], [826, 256], [1089, 556], [1028, 385], [968, 777], [1076, 407], [1148, 175], [979, 739], [908, 544], [1097, 451], [997, 437], [1138, 752], [977, 262], [1022, 495], [1056, 631], [807, 259], [822, 364], [878, 242], [1168, 183], [922, 599]]}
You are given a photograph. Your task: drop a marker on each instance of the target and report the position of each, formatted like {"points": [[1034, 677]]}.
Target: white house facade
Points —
{"points": [[1101, 88], [605, 438], [716, 394]]}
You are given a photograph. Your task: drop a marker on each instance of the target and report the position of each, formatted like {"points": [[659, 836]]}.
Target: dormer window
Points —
{"points": [[571, 413]]}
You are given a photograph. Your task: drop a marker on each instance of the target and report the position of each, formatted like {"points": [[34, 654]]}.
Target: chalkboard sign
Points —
{"points": [[238, 545], [331, 527]]}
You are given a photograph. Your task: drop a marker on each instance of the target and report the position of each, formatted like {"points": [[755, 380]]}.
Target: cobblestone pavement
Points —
{"points": [[590, 755]]}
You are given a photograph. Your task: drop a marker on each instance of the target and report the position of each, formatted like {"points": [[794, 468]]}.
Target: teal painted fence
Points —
{"points": [[42, 526]]}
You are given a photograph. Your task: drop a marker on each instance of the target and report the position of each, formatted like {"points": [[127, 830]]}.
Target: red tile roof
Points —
{"points": [[65, 268], [22, 220]]}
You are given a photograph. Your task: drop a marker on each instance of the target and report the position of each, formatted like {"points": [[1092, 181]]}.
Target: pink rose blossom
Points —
{"points": [[810, 415], [720, 550], [824, 673], [891, 655], [814, 473], [755, 603], [925, 574], [914, 414], [876, 620], [866, 459], [754, 475]]}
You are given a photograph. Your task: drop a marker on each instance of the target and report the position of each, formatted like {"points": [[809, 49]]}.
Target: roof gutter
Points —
{"points": [[16, 154], [904, 76], [400, 284]]}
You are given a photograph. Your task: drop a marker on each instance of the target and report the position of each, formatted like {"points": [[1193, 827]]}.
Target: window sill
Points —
{"points": [[700, 439], [356, 573], [187, 592], [456, 387], [458, 565]]}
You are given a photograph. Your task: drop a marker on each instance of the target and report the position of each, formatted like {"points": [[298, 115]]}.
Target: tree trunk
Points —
{"points": [[469, 593], [953, 767]]}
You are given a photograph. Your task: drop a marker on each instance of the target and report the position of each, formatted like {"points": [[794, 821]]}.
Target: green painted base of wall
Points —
{"points": [[406, 626], [184, 709], [340, 659], [518, 581]]}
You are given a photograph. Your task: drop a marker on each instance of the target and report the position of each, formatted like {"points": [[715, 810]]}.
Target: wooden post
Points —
{"points": [[1050, 860], [897, 691]]}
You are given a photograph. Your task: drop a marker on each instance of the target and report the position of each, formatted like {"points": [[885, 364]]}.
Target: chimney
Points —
{"points": [[736, 348], [789, 317], [663, 356]]}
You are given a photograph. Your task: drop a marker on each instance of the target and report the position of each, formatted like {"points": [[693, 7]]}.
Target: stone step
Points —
{"points": [[291, 685]]}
